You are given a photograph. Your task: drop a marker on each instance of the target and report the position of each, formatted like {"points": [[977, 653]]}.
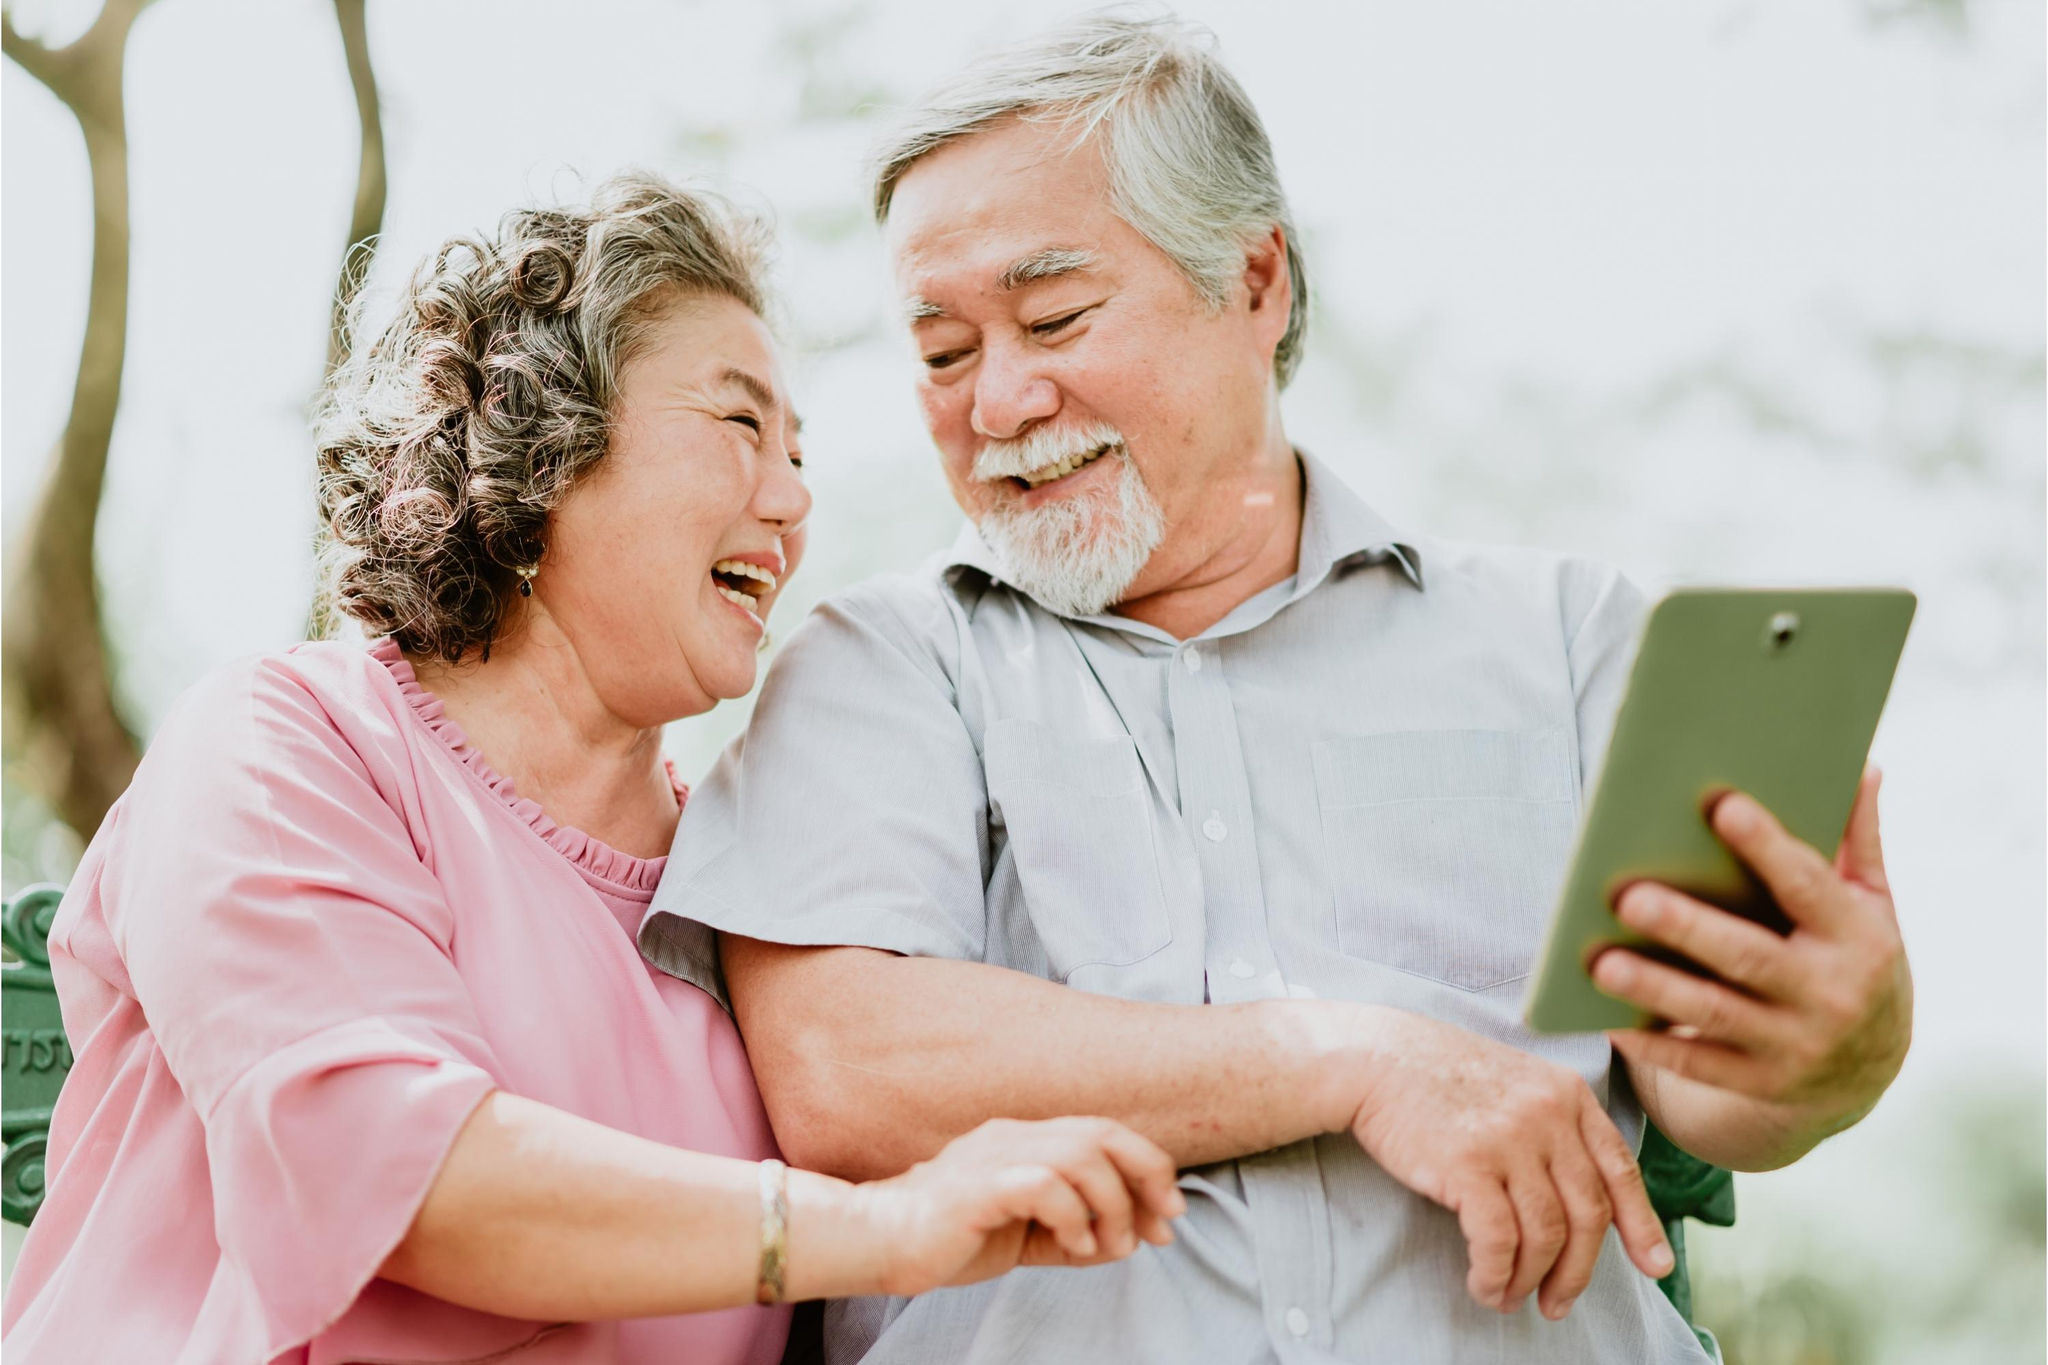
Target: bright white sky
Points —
{"points": [[1612, 276]]}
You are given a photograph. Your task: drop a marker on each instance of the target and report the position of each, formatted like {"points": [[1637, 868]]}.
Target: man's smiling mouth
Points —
{"points": [[1060, 468]]}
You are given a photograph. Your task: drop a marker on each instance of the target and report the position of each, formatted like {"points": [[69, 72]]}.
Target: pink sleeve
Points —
{"points": [[291, 954]]}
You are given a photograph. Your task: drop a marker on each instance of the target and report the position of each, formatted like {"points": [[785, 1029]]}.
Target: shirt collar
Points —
{"points": [[1338, 532]]}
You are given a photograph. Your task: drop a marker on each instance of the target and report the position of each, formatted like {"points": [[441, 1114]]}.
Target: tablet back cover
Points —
{"points": [[1773, 693]]}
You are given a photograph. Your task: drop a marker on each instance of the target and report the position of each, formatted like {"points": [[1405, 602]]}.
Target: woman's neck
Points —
{"points": [[531, 711]]}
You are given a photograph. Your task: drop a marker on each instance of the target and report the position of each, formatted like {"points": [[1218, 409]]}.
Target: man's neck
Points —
{"points": [[533, 714], [1245, 538]]}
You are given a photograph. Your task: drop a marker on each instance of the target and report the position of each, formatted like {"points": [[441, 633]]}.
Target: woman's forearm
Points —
{"points": [[543, 1215]]}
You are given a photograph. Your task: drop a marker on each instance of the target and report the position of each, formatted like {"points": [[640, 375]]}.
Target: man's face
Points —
{"points": [[1095, 417]]}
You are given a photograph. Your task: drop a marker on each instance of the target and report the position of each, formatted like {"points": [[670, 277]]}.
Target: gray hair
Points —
{"points": [[444, 446], [1190, 167]]}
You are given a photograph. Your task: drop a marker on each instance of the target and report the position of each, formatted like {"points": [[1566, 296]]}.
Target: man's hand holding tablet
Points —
{"points": [[1755, 986], [1810, 1027]]}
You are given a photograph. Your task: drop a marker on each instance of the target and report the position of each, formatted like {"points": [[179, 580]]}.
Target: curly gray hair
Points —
{"points": [[444, 445], [1189, 163]]}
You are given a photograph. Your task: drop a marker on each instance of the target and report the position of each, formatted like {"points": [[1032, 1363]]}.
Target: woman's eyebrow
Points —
{"points": [[754, 388]]}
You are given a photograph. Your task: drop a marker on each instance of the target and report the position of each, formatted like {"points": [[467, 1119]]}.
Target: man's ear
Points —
{"points": [[1269, 289]]}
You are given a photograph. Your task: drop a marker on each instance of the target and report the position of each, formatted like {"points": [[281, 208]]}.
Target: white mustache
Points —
{"points": [[1040, 447]]}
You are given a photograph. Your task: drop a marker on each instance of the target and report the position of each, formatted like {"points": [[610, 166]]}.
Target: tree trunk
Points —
{"points": [[368, 219], [74, 749], [356, 253]]}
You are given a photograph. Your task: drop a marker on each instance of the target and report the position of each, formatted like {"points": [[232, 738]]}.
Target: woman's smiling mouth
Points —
{"points": [[743, 584]]}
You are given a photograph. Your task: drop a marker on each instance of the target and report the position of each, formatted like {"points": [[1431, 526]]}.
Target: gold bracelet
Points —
{"points": [[774, 1231]]}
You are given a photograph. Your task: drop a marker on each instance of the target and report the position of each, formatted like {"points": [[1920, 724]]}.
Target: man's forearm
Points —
{"points": [[870, 1062]]}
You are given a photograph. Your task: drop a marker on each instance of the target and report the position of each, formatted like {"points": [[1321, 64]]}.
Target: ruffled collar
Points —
{"points": [[620, 873]]}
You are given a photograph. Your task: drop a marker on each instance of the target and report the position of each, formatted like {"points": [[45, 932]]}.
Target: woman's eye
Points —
{"points": [[943, 360], [1053, 325], [747, 420]]}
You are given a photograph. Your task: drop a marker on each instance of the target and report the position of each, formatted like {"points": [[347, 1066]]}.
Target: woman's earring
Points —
{"points": [[526, 573]]}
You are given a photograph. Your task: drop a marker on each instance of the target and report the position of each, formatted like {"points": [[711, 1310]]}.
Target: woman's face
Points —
{"points": [[665, 559]]}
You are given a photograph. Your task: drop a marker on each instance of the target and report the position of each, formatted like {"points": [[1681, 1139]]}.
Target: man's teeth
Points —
{"points": [[1059, 469]]}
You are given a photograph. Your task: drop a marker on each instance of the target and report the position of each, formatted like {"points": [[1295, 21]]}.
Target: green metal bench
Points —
{"points": [[38, 1057]]}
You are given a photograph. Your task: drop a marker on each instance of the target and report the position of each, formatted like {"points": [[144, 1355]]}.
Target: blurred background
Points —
{"points": [[1717, 291]]}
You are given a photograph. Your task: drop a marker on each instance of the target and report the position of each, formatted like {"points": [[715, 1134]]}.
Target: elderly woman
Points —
{"points": [[368, 1067]]}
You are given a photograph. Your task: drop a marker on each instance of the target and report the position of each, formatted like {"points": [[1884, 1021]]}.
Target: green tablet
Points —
{"points": [[1773, 693]]}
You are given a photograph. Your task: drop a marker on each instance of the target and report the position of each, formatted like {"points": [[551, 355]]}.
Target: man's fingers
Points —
{"points": [[1540, 1221], [1861, 858], [1719, 1012], [1642, 1233], [1488, 1221], [1800, 880], [1588, 1212], [1728, 945], [1715, 1064]]}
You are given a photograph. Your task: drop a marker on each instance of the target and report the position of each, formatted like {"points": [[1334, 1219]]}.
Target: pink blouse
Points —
{"points": [[311, 937]]}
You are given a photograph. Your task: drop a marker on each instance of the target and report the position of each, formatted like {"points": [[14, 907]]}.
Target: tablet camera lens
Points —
{"points": [[1784, 626]]}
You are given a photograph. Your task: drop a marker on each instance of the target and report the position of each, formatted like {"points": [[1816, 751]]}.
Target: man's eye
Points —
{"points": [[747, 420], [1053, 325], [943, 359]]}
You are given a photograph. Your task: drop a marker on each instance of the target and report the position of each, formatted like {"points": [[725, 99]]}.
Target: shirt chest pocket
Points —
{"points": [[1446, 847], [1078, 813]]}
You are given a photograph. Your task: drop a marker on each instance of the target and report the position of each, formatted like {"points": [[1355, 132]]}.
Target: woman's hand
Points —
{"points": [[1071, 1191]]}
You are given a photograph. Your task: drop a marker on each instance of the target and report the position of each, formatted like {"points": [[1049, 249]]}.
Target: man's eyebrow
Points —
{"points": [[758, 391], [1048, 264], [1044, 265]]}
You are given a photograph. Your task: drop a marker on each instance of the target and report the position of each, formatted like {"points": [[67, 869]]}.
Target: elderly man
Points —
{"points": [[1187, 791]]}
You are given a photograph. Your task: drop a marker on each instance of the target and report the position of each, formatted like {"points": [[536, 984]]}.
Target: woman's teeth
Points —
{"points": [[739, 599], [1059, 469], [742, 583]]}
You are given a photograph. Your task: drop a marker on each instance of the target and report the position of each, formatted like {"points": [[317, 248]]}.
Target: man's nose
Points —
{"points": [[1010, 394]]}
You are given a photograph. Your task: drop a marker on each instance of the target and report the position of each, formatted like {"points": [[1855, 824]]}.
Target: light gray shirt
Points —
{"points": [[1362, 784]]}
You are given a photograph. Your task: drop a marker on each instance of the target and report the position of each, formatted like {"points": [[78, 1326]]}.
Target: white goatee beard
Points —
{"points": [[1077, 554]]}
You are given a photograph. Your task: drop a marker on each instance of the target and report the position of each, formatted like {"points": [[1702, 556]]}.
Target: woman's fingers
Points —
{"points": [[1540, 1225], [1642, 1232], [1587, 1213], [1042, 1195], [1152, 1178], [1487, 1219], [1101, 1185]]}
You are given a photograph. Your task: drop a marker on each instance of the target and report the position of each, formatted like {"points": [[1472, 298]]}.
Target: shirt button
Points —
{"points": [[1214, 827], [1242, 970], [1192, 658], [1297, 1322]]}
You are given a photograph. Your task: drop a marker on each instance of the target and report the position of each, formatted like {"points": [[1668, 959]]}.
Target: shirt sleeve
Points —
{"points": [[852, 811], [1603, 616], [291, 953]]}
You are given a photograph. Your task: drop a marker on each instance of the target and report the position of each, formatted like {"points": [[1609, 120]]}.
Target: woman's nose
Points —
{"points": [[782, 496]]}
